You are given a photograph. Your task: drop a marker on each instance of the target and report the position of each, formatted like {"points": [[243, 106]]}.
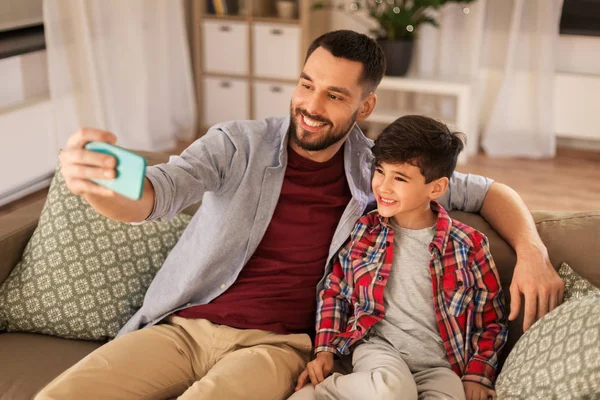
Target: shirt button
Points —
{"points": [[358, 328], [223, 286], [379, 278], [388, 244], [459, 284]]}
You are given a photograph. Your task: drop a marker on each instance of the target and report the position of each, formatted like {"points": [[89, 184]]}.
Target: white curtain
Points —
{"points": [[506, 48], [121, 66], [452, 51], [521, 118]]}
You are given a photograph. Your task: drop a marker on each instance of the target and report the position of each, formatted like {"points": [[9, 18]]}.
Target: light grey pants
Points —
{"points": [[380, 373]]}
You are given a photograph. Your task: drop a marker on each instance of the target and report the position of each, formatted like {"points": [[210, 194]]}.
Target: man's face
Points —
{"points": [[326, 102]]}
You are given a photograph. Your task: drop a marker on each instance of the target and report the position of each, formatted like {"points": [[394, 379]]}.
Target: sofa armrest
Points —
{"points": [[16, 229]]}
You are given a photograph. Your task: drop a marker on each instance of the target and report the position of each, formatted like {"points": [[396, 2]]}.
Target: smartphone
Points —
{"points": [[131, 170]]}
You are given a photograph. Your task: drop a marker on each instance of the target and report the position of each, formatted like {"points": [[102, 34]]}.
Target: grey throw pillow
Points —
{"points": [[558, 357], [82, 276], [576, 287]]}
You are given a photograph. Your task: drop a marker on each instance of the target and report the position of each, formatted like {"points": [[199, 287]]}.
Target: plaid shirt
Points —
{"points": [[467, 296]]}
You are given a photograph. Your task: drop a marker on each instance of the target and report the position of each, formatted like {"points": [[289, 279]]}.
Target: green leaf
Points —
{"points": [[393, 19]]}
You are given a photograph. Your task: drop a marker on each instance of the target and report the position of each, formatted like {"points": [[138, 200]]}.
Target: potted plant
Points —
{"points": [[397, 22]]}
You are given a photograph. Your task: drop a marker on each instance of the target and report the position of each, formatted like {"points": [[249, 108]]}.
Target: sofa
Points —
{"points": [[29, 361]]}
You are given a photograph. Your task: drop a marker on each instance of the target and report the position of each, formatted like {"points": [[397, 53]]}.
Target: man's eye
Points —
{"points": [[333, 96], [306, 86]]}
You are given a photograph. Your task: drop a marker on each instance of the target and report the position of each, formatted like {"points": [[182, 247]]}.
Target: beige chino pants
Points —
{"points": [[189, 358]]}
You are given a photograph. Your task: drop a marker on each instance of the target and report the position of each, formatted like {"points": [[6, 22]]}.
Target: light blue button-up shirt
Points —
{"points": [[237, 170]]}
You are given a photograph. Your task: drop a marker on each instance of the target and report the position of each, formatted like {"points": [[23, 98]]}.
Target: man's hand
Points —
{"points": [[317, 370], [78, 165], [475, 391], [543, 289]]}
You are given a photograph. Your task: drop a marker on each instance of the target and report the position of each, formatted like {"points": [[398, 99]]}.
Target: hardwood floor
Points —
{"points": [[570, 181]]}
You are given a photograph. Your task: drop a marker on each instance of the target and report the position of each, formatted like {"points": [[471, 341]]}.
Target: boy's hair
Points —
{"points": [[354, 46], [420, 141]]}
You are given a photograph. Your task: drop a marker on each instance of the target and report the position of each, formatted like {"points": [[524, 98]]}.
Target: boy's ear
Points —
{"points": [[438, 188], [367, 107]]}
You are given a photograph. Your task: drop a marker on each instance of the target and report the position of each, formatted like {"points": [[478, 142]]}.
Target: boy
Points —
{"points": [[411, 342]]}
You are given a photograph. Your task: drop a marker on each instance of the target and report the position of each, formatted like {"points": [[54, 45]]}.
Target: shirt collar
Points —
{"points": [[442, 229]]}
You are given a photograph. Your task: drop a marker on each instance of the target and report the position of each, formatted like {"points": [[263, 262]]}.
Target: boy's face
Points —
{"points": [[401, 191], [327, 101]]}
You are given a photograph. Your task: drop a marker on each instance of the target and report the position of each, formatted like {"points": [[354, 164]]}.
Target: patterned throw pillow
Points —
{"points": [[575, 286], [558, 357], [82, 276]]}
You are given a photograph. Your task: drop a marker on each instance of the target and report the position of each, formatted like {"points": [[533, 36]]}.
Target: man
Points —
{"points": [[227, 316]]}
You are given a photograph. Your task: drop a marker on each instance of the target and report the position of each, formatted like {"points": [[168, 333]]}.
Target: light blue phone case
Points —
{"points": [[131, 170]]}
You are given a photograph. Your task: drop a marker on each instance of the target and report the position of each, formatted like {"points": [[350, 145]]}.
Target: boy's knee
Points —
{"points": [[389, 385]]}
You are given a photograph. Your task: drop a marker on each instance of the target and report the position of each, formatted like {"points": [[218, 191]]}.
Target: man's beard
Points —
{"points": [[331, 137]]}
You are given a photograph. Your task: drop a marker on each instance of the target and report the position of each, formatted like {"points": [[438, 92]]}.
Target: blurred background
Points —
{"points": [[520, 77]]}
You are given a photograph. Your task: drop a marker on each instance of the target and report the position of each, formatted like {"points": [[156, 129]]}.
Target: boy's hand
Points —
{"points": [[317, 370], [475, 391]]}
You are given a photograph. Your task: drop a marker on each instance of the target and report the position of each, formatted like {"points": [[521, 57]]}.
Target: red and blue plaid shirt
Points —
{"points": [[467, 295]]}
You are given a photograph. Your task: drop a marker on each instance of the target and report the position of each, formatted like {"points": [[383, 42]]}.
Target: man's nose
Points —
{"points": [[315, 105]]}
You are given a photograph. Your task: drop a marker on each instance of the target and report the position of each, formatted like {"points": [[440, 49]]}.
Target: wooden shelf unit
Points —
{"points": [[257, 56]]}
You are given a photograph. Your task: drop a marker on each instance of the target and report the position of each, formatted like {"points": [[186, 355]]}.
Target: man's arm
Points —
{"points": [[534, 275], [168, 188]]}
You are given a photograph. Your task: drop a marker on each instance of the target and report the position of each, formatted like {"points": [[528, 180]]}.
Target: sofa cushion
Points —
{"points": [[29, 361], [558, 357], [82, 276], [575, 286]]}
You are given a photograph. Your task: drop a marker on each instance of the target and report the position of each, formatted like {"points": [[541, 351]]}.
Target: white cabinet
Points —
{"points": [[276, 50], [225, 99], [225, 47], [272, 99]]}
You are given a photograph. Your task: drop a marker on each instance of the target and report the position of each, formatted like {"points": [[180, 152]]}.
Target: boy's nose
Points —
{"points": [[385, 187]]}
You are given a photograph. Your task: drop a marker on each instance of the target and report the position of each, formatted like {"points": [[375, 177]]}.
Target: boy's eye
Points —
{"points": [[400, 179], [379, 170], [305, 86], [333, 97]]}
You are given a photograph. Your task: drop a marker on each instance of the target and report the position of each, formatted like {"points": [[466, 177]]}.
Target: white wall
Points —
{"points": [[28, 147]]}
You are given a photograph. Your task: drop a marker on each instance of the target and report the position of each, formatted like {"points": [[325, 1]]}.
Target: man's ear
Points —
{"points": [[367, 107], [438, 188]]}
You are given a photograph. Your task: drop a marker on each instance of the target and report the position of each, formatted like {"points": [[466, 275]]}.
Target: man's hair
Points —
{"points": [[354, 46], [420, 141]]}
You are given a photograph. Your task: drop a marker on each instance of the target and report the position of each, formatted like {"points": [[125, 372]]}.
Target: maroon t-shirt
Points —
{"points": [[276, 289]]}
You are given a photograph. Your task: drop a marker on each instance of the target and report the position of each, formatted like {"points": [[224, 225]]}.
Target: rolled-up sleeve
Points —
{"points": [[182, 181], [466, 192]]}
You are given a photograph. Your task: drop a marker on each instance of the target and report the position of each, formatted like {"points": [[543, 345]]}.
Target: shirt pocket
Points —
{"points": [[365, 262], [457, 289]]}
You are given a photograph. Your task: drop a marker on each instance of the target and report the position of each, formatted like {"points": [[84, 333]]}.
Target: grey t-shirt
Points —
{"points": [[410, 324]]}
